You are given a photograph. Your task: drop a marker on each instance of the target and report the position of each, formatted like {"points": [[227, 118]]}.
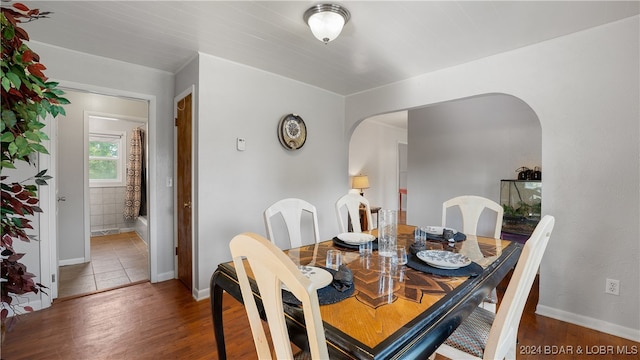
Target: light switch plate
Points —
{"points": [[241, 144]]}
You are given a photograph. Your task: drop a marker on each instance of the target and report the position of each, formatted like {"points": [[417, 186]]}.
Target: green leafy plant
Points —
{"points": [[27, 98]]}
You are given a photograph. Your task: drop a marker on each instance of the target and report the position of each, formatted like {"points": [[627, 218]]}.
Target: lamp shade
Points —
{"points": [[360, 182], [326, 21]]}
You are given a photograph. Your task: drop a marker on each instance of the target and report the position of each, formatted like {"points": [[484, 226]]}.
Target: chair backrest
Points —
{"points": [[352, 202], [504, 330], [271, 267], [291, 210], [471, 207]]}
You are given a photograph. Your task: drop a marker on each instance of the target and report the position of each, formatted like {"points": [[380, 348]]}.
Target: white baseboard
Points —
{"points": [[169, 275], [591, 323], [66, 262], [201, 294]]}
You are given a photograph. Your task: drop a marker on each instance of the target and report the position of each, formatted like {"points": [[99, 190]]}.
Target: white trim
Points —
{"points": [[75, 261], [48, 221], [170, 275], [86, 211], [201, 294], [588, 322]]}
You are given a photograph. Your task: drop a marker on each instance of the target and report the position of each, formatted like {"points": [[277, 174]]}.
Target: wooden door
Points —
{"points": [[183, 189]]}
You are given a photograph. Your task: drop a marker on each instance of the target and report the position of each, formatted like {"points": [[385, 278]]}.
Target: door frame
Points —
{"points": [[194, 181], [49, 218], [48, 235]]}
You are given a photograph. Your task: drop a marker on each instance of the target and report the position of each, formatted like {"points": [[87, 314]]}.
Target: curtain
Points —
{"points": [[143, 174], [134, 176]]}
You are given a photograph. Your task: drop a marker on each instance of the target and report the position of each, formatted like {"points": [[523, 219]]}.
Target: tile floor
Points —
{"points": [[116, 260]]}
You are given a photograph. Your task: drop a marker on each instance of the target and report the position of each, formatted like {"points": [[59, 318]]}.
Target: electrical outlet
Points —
{"points": [[612, 287]]}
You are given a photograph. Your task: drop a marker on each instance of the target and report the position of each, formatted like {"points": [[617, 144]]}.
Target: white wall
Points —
{"points": [[106, 76], [465, 147], [584, 87], [373, 151], [234, 187]]}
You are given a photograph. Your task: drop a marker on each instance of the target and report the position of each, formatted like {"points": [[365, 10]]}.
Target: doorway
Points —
{"points": [[184, 184], [403, 149], [93, 205]]}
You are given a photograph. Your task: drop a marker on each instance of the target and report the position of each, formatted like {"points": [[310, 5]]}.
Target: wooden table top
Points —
{"points": [[393, 306]]}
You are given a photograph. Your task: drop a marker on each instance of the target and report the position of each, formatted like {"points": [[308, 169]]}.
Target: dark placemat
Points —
{"points": [[456, 237], [343, 244], [326, 295], [471, 270]]}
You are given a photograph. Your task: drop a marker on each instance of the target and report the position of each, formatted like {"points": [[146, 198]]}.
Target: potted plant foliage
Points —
{"points": [[27, 98]]}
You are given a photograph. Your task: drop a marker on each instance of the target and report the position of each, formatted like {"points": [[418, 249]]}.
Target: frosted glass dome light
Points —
{"points": [[326, 21]]}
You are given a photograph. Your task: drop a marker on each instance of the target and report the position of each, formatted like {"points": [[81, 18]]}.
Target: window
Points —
{"points": [[106, 159]]}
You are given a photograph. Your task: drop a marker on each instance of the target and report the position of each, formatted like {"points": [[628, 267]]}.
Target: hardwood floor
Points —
{"points": [[162, 321]]}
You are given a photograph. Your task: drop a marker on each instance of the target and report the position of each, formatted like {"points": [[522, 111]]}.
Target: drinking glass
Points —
{"points": [[400, 256], [334, 259], [366, 249], [387, 232]]}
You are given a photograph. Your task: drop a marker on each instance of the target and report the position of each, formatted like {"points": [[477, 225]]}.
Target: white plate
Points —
{"points": [[443, 259], [318, 276], [355, 238], [437, 230]]}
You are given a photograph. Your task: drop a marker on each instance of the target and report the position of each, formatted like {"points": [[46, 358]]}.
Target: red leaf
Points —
{"points": [[38, 66], [20, 6], [23, 195], [27, 56], [9, 14], [21, 33], [7, 239], [15, 257], [35, 70], [15, 92]]}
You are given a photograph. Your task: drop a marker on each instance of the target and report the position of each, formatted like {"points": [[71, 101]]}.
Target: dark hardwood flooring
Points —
{"points": [[162, 321]]}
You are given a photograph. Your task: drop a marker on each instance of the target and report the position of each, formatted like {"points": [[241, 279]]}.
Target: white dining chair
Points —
{"points": [[471, 208], [292, 210], [353, 202], [271, 268], [485, 335]]}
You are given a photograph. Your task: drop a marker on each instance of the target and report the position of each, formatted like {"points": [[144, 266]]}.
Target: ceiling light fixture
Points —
{"points": [[326, 20]]}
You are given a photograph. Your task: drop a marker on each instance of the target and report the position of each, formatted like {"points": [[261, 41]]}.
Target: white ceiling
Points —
{"points": [[384, 42]]}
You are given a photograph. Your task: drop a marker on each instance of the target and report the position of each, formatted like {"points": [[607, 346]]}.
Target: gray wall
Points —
{"points": [[584, 87], [465, 147], [234, 187]]}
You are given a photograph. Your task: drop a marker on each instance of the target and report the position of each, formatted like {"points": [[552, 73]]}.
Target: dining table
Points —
{"points": [[394, 311]]}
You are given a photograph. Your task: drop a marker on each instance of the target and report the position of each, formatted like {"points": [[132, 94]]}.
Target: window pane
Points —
{"points": [[103, 148], [103, 169]]}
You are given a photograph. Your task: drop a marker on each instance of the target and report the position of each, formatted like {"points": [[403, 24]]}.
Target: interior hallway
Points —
{"points": [[116, 260]]}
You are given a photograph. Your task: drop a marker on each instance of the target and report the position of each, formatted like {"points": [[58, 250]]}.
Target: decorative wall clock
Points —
{"points": [[292, 132]]}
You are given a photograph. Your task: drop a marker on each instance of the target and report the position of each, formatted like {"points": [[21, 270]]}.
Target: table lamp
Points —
{"points": [[360, 182]]}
